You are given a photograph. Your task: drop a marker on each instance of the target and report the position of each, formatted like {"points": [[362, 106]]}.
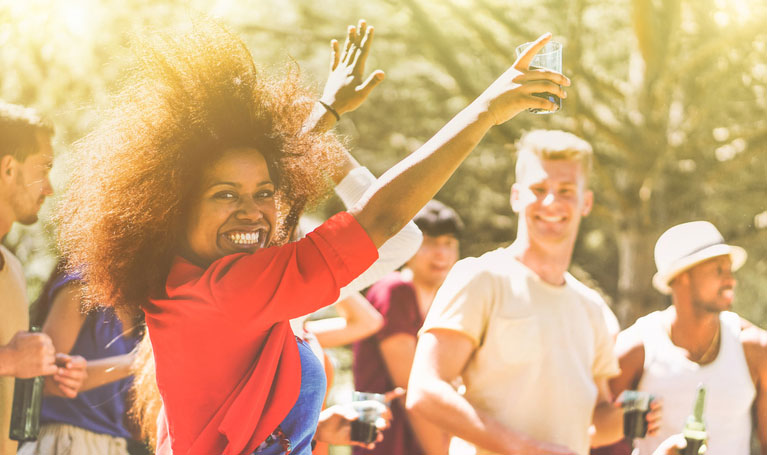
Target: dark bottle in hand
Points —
{"points": [[25, 411]]}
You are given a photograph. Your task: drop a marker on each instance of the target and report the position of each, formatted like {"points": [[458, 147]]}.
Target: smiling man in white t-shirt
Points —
{"points": [[530, 342]]}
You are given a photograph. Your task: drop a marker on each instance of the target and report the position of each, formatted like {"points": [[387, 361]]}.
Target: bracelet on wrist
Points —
{"points": [[330, 109]]}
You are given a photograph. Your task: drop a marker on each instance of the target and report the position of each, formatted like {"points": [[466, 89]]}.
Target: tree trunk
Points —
{"points": [[636, 296]]}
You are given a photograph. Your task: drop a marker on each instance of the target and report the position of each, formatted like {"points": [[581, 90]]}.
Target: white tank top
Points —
{"points": [[670, 375]]}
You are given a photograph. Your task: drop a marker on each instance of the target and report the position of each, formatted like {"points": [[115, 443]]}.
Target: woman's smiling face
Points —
{"points": [[234, 210]]}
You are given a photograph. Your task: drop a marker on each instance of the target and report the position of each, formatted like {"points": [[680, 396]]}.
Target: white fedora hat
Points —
{"points": [[686, 245]]}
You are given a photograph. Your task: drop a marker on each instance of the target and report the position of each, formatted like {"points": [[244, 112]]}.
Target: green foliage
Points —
{"points": [[672, 94]]}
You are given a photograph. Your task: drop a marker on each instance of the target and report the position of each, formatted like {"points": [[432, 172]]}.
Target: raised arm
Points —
{"points": [[345, 89], [394, 252], [411, 183]]}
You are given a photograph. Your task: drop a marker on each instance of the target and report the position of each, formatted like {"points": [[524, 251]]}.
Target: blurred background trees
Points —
{"points": [[672, 93]]}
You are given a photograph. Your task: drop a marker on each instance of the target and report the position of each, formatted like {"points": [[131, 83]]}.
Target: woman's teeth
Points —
{"points": [[245, 238]]}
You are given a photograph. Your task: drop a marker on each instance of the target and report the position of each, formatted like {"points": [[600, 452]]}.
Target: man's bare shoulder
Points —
{"points": [[629, 344], [752, 336], [754, 341], [630, 351]]}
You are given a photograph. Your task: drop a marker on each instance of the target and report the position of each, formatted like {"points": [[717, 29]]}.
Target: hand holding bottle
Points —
{"points": [[29, 354], [675, 445]]}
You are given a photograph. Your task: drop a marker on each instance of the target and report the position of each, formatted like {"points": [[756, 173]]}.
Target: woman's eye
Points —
{"points": [[264, 194], [225, 195]]}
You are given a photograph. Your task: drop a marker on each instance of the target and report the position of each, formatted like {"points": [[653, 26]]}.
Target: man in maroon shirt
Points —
{"points": [[403, 298]]}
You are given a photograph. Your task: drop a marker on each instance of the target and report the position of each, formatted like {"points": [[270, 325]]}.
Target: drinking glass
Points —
{"points": [[369, 406], [550, 58], [635, 406]]}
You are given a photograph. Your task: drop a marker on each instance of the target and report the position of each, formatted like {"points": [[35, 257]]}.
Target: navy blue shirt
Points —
{"points": [[102, 409]]}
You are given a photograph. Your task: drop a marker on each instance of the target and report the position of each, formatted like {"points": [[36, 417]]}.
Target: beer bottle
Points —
{"points": [[27, 402], [695, 429]]}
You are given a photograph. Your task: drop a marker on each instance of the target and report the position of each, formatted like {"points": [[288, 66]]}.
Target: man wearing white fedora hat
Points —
{"points": [[698, 340]]}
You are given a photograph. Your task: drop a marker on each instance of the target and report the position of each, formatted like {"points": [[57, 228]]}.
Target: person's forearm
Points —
{"points": [[608, 424], [319, 120], [432, 439], [438, 403], [106, 370], [394, 252], [6, 361], [410, 184], [358, 319], [362, 318]]}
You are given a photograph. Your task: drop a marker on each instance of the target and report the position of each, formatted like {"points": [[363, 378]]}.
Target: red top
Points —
{"points": [[227, 364]]}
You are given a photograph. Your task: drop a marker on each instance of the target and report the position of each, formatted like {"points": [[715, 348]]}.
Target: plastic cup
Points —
{"points": [[635, 406], [550, 58], [369, 407]]}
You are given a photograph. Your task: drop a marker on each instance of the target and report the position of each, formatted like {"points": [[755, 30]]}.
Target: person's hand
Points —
{"points": [[345, 89], [69, 378], [33, 355], [513, 92], [397, 392], [674, 445], [654, 416], [334, 426]]}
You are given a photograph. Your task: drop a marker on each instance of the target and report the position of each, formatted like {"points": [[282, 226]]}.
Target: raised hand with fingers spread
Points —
{"points": [[345, 89]]}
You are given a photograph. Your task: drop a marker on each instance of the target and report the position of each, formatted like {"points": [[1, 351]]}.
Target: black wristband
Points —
{"points": [[331, 110], [314, 441]]}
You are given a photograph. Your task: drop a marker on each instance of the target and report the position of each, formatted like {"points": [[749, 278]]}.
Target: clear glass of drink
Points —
{"points": [[636, 405], [369, 406], [550, 58]]}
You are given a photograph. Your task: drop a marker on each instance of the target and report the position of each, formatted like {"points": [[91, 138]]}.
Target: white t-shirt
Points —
{"points": [[538, 347]]}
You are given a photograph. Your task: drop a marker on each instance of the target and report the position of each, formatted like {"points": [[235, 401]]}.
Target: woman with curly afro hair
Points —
{"points": [[181, 205]]}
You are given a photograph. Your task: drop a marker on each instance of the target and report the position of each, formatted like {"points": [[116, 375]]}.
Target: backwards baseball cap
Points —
{"points": [[687, 245]]}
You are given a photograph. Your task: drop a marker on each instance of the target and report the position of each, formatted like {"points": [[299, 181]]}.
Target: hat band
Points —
{"points": [[702, 247]]}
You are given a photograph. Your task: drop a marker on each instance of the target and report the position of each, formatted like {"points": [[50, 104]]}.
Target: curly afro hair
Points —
{"points": [[192, 96]]}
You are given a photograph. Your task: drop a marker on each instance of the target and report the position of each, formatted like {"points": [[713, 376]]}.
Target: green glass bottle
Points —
{"points": [[27, 402], [695, 429]]}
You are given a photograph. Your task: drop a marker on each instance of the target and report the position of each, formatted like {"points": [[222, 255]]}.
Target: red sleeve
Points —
{"points": [[398, 304], [285, 282]]}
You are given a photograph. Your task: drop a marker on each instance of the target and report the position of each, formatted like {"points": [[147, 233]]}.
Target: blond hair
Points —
{"points": [[552, 145]]}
